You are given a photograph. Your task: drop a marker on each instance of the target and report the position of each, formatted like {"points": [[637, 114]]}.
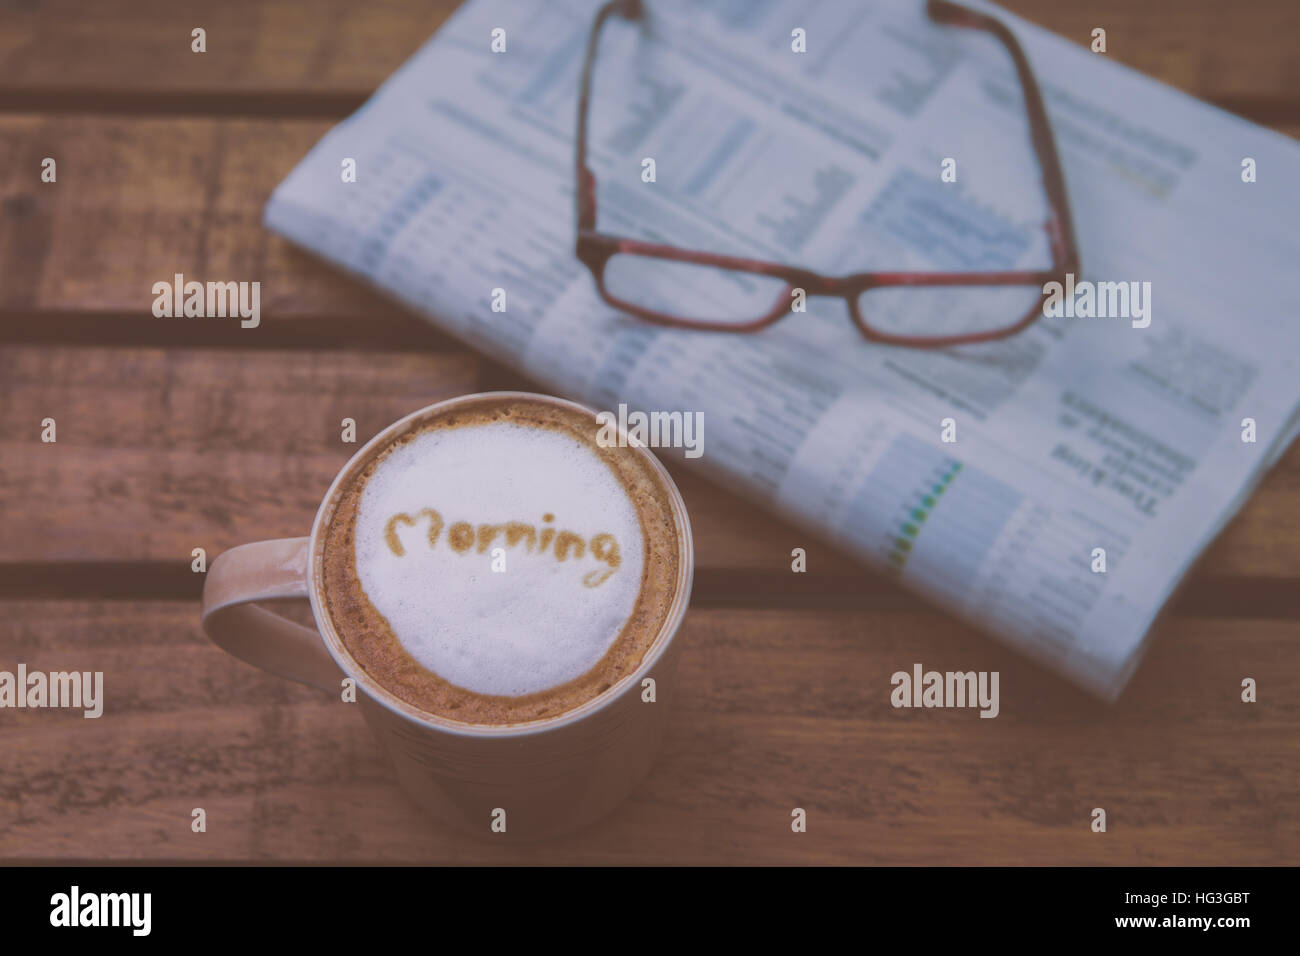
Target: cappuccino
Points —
{"points": [[492, 563]]}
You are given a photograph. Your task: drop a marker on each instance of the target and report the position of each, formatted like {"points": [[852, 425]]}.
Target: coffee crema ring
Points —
{"points": [[461, 538]]}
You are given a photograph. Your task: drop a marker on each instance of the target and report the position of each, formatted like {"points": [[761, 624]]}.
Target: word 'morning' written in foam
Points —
{"points": [[462, 537]]}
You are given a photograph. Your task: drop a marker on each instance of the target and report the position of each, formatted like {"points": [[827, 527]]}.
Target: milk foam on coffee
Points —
{"points": [[443, 508]]}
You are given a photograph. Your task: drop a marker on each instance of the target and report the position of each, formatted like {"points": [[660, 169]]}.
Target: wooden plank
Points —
{"points": [[177, 198], [332, 49], [139, 200], [175, 195], [774, 710], [253, 46], [161, 451]]}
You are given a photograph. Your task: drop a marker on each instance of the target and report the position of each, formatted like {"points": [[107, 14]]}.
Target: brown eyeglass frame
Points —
{"points": [[594, 248]]}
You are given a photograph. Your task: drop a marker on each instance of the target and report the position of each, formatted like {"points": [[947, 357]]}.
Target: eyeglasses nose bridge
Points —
{"points": [[629, 9], [844, 287], [813, 284]]}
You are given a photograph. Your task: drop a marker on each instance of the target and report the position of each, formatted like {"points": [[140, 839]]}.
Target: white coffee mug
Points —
{"points": [[536, 779]]}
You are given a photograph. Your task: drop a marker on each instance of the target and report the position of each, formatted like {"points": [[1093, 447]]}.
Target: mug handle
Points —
{"points": [[266, 571]]}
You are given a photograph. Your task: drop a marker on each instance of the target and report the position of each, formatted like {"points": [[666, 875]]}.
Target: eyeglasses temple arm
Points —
{"points": [[1060, 227], [585, 190]]}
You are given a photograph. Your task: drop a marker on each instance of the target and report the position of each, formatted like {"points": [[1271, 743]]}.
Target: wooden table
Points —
{"points": [[175, 434]]}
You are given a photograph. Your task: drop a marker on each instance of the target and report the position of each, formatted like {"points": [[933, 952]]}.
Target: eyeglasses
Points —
{"points": [[687, 288]]}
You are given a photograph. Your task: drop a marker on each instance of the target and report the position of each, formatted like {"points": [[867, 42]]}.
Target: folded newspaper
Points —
{"points": [[1139, 434]]}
